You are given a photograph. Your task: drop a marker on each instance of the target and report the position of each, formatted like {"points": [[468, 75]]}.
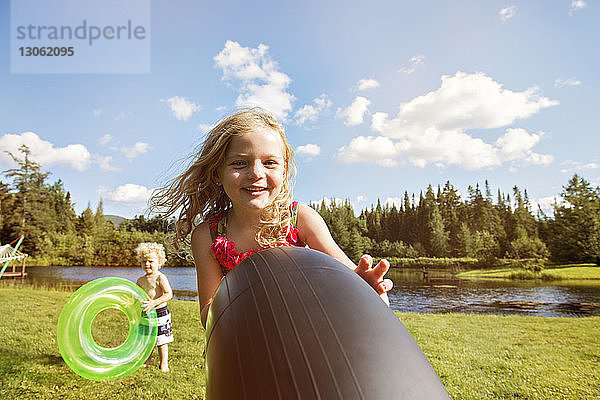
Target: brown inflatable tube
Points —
{"points": [[293, 323]]}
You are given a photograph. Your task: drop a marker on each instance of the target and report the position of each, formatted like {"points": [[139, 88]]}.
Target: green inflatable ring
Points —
{"points": [[76, 344]]}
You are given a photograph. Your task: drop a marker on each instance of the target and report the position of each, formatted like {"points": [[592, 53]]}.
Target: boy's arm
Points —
{"points": [[167, 294], [314, 232], [166, 289]]}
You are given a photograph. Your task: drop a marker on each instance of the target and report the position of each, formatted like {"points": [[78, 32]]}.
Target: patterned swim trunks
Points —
{"points": [[165, 328]]}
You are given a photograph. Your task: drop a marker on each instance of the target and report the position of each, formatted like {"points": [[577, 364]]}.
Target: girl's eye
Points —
{"points": [[238, 163], [270, 163]]}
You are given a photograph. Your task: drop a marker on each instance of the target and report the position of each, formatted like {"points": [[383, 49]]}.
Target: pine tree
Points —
{"points": [[575, 230], [438, 236], [33, 211], [464, 238]]}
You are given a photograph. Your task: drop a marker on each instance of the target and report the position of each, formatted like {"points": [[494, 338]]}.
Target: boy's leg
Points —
{"points": [[164, 357], [147, 362]]}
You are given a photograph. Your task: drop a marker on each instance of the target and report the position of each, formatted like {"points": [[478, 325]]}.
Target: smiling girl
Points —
{"points": [[236, 199]]}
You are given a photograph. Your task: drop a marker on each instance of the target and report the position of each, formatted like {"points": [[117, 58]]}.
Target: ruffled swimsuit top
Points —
{"points": [[224, 250]]}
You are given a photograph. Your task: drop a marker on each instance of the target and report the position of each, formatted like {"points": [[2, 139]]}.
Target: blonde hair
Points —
{"points": [[148, 248], [196, 195]]}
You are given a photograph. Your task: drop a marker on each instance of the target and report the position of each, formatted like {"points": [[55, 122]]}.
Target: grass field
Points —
{"points": [[476, 356], [551, 273]]}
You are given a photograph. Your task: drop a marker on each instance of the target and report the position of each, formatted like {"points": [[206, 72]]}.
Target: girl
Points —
{"points": [[240, 186]]}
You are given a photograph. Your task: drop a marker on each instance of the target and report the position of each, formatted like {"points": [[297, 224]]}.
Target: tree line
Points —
{"points": [[56, 235], [439, 223]]}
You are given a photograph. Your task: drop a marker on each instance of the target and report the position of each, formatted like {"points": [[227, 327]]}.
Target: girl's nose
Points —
{"points": [[257, 170]]}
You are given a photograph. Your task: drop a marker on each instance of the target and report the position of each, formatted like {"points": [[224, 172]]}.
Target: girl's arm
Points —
{"points": [[313, 231], [208, 272]]}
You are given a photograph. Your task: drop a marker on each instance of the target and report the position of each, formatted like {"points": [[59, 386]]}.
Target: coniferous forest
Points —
{"points": [[438, 224]]}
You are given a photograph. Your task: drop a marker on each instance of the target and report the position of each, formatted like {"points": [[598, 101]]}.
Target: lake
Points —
{"points": [[412, 293]]}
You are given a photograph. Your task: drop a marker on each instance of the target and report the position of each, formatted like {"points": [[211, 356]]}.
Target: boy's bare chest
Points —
{"points": [[149, 283]]}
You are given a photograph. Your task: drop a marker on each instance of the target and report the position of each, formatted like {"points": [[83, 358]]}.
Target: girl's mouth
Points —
{"points": [[255, 191]]}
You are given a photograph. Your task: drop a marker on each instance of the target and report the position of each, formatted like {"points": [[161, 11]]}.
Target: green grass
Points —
{"points": [[476, 356], [551, 273], [31, 366], [511, 357]]}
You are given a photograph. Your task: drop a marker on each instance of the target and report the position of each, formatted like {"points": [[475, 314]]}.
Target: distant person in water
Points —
{"points": [[155, 283]]}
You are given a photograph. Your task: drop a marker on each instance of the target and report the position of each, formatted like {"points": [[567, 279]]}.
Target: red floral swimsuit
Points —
{"points": [[224, 250]]}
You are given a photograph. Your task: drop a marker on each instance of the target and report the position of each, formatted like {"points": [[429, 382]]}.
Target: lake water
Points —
{"points": [[411, 293]]}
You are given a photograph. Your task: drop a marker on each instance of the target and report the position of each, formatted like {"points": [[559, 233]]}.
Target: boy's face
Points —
{"points": [[150, 264]]}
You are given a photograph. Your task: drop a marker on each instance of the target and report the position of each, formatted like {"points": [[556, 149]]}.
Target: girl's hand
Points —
{"points": [[148, 305], [374, 276]]}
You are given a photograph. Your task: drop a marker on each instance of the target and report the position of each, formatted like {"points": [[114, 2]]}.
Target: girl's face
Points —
{"points": [[253, 171]]}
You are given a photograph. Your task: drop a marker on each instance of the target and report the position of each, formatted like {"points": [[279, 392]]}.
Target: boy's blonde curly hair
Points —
{"points": [[149, 248], [196, 196]]}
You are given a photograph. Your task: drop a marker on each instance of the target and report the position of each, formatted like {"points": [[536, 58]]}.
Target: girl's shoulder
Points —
{"points": [[309, 222], [202, 233], [302, 209]]}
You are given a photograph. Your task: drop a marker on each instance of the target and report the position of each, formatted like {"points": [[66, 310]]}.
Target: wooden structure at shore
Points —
{"points": [[12, 255]]}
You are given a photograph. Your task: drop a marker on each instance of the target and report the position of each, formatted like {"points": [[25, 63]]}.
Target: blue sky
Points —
{"points": [[377, 98]]}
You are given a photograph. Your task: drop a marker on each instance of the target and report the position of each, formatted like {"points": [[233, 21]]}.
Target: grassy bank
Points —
{"points": [[477, 357], [551, 273]]}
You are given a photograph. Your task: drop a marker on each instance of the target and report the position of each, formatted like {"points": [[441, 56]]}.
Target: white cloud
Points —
{"points": [[356, 205], [124, 115], [104, 140], [378, 149], [128, 194], [517, 143], [96, 113], [104, 163], [432, 128], [566, 82], [464, 101], [204, 128], [181, 107], [132, 152], [365, 84], [261, 82], [310, 112], [578, 166], [444, 148], [311, 150], [546, 204], [508, 12], [414, 62], [73, 156], [591, 165], [328, 201], [577, 5], [394, 201], [354, 113]]}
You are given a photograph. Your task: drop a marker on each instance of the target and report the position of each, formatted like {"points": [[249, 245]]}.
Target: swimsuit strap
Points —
{"points": [[218, 226], [294, 210]]}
